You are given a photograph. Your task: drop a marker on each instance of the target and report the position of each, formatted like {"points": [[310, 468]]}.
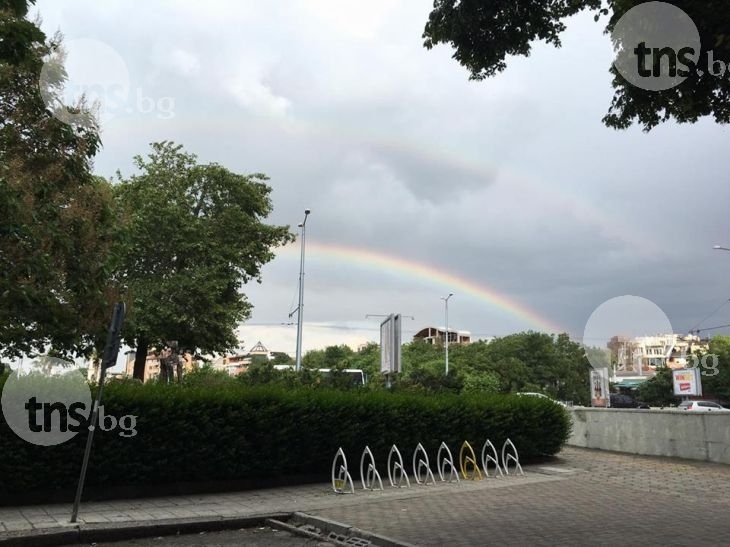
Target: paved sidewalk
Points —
{"points": [[586, 497], [306, 498], [616, 499]]}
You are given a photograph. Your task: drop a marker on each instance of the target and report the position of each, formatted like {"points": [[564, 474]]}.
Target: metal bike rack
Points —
{"points": [[369, 477]]}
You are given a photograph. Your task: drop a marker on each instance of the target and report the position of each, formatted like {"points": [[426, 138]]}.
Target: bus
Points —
{"points": [[356, 375]]}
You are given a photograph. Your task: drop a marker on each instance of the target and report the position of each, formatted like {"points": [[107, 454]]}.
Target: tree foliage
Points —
{"points": [[195, 234], [527, 361], [56, 218], [484, 33], [716, 380], [658, 390]]}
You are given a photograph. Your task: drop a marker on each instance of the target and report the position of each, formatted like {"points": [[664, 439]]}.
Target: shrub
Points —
{"points": [[228, 431]]}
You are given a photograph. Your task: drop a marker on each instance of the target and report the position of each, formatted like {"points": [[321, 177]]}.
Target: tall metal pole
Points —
{"points": [[446, 344], [109, 359], [300, 308]]}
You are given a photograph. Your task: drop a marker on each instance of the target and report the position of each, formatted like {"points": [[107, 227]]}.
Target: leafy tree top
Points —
{"points": [[484, 33]]}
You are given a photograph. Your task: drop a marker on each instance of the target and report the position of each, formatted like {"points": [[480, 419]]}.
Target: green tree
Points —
{"points": [[260, 359], [481, 382], [715, 368], [337, 357], [430, 377], [658, 390], [56, 218], [195, 235], [483, 33], [313, 359], [281, 358], [418, 352], [367, 358], [513, 375], [572, 371]]}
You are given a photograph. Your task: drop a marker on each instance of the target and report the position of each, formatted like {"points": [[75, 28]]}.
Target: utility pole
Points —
{"points": [[300, 307]]}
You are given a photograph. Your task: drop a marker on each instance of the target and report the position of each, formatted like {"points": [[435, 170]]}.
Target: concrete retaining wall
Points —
{"points": [[682, 434]]}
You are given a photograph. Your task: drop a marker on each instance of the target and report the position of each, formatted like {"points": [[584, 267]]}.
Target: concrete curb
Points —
{"points": [[347, 530], [118, 531]]}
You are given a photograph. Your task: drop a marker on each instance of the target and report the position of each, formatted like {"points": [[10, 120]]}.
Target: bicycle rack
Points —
{"points": [[396, 471], [422, 464], [368, 478], [342, 478], [447, 461], [490, 458]]}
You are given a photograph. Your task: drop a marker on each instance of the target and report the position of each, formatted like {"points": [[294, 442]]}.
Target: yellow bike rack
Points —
{"points": [[468, 463]]}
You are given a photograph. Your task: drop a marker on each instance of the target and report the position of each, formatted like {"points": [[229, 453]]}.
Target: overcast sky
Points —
{"points": [[510, 193]]}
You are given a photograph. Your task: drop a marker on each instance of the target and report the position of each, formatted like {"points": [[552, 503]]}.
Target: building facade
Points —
{"points": [[437, 335]]}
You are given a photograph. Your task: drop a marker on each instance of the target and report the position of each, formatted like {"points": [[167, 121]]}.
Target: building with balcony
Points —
{"points": [[437, 335]]}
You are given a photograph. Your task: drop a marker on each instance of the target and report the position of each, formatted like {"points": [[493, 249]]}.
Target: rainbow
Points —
{"points": [[367, 258], [562, 200]]}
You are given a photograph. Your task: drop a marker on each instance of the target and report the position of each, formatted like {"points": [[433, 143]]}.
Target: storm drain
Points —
{"points": [[332, 532], [341, 539]]}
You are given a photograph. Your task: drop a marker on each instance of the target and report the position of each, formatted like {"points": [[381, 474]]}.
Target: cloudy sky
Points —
{"points": [[509, 193]]}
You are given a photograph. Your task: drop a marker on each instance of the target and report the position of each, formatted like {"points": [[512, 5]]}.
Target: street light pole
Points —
{"points": [[300, 308], [446, 344]]}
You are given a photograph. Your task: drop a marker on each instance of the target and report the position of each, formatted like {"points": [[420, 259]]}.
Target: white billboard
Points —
{"points": [[390, 344], [599, 387], [687, 381], [386, 345]]}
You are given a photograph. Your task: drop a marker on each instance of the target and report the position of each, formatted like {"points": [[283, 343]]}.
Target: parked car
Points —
{"points": [[622, 400], [702, 406]]}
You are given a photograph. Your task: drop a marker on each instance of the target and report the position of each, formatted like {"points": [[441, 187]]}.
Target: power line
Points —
{"points": [[693, 329], [711, 328]]}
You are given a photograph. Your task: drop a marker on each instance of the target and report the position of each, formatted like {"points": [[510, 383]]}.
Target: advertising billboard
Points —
{"points": [[599, 387], [386, 345], [687, 381], [390, 344]]}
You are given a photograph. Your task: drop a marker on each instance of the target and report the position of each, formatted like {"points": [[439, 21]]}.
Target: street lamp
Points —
{"points": [[721, 248], [446, 344], [300, 307]]}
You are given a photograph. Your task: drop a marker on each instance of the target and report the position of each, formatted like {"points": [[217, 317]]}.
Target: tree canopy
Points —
{"points": [[194, 235], [484, 33], [527, 361], [177, 241], [716, 379], [55, 216]]}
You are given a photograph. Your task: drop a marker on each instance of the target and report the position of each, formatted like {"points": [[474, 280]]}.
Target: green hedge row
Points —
{"points": [[235, 432]]}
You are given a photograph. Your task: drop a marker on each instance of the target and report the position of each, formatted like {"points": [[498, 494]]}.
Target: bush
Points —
{"points": [[207, 376], [229, 431]]}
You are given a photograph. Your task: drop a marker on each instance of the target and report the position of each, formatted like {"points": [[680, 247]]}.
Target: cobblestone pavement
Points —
{"points": [[584, 497], [609, 499]]}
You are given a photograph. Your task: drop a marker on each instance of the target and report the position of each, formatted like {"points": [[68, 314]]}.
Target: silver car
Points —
{"points": [[702, 406]]}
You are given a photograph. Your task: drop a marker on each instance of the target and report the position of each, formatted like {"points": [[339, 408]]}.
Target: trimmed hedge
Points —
{"points": [[234, 432]]}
